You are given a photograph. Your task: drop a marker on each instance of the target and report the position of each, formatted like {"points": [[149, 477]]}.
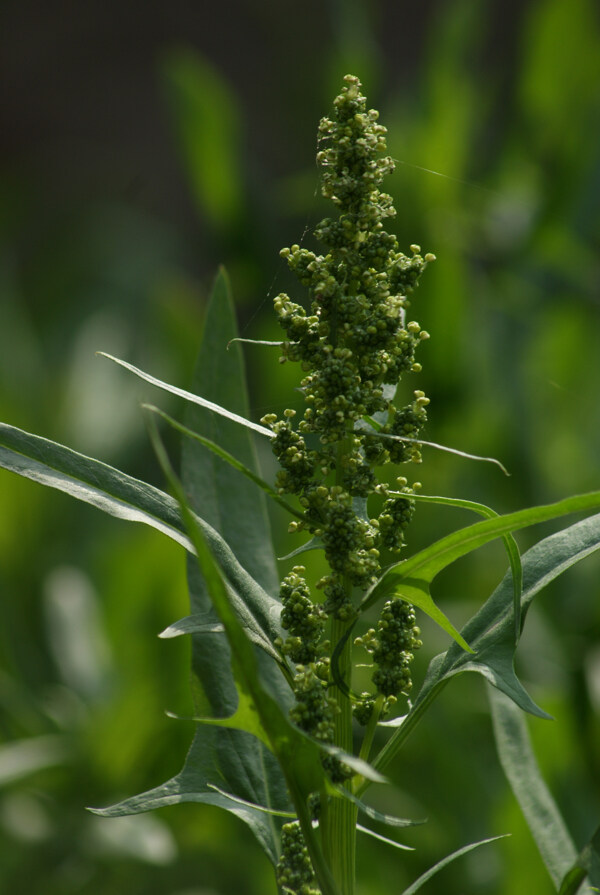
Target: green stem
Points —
{"points": [[339, 820], [395, 743]]}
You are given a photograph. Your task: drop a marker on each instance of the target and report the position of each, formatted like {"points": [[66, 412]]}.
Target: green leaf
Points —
{"points": [[244, 718], [389, 819], [314, 544], [228, 458], [491, 630], [233, 798], [188, 396], [385, 839], [411, 578], [120, 495], [256, 342], [192, 784], [233, 505], [360, 428], [512, 549], [298, 756], [447, 860], [586, 865], [522, 772], [200, 624]]}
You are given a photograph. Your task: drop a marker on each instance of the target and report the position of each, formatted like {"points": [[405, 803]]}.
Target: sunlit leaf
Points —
{"points": [[413, 576], [512, 549]]}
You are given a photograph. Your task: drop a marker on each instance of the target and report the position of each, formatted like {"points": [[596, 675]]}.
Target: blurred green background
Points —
{"points": [[143, 145]]}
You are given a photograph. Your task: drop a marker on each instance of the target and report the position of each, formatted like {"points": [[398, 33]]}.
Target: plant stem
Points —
{"points": [[339, 821]]}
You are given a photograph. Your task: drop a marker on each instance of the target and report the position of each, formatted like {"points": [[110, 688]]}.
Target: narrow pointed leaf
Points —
{"points": [[425, 877], [256, 342], [188, 396], [389, 819], [239, 801], [523, 774], [362, 430], [512, 549], [385, 839], [223, 756], [228, 458], [417, 593], [426, 564], [314, 544]]}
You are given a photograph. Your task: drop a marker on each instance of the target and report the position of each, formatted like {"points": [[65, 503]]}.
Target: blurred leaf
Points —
{"points": [[554, 90], [522, 772], [20, 758], [206, 119]]}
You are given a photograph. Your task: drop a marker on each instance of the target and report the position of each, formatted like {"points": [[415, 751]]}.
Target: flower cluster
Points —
{"points": [[392, 645], [354, 343], [294, 870]]}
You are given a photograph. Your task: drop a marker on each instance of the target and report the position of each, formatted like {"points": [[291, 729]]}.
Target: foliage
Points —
{"points": [[515, 281], [286, 703]]}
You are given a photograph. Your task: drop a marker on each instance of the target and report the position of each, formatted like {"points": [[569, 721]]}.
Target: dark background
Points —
{"points": [[142, 146]]}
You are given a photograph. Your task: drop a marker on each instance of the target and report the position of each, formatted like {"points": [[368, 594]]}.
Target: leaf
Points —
{"points": [[362, 430], [192, 784], [120, 495], [522, 772], [233, 798], [198, 624], [188, 396], [512, 548], [314, 544], [227, 757], [245, 717], [389, 819], [587, 865], [447, 860], [298, 756], [414, 575], [385, 839], [228, 458], [256, 342], [89, 480], [491, 630], [20, 758]]}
